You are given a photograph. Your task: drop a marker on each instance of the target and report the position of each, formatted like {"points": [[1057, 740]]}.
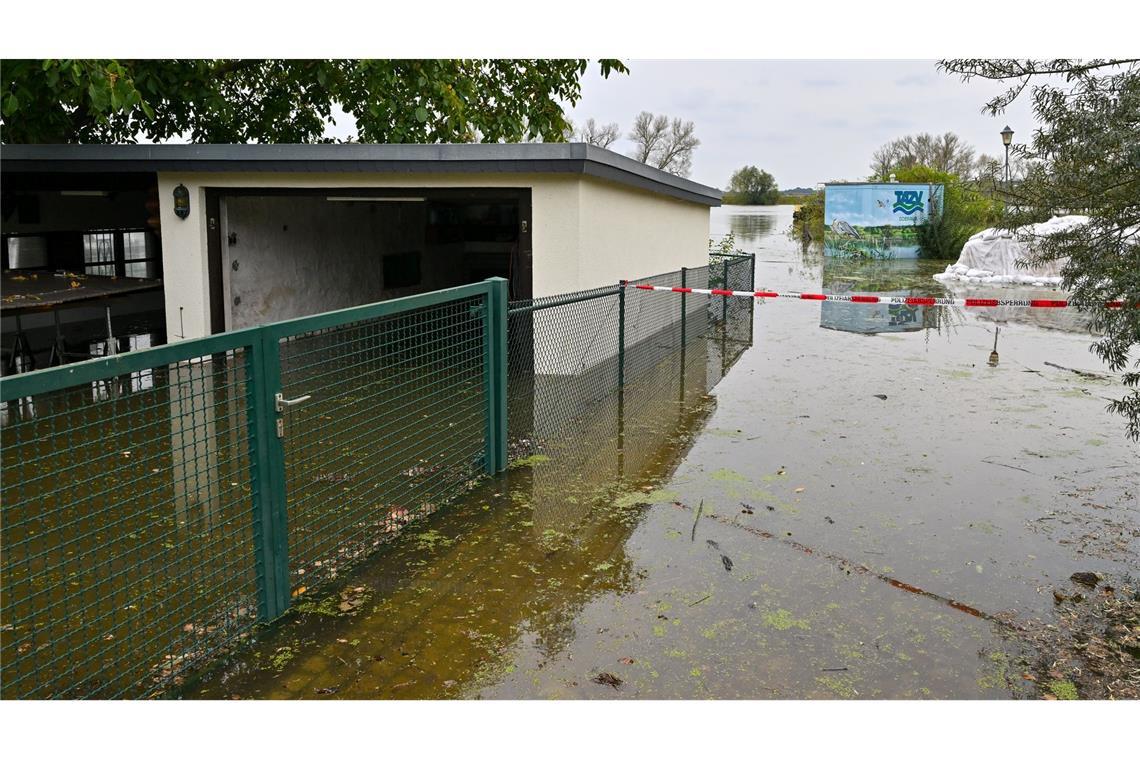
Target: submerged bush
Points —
{"points": [[807, 219]]}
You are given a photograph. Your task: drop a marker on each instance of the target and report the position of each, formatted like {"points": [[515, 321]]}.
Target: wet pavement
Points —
{"points": [[862, 508]]}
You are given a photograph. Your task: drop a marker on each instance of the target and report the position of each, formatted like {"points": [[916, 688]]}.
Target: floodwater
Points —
{"points": [[862, 507]]}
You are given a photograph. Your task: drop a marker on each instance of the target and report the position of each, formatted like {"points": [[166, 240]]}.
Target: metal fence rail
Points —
{"points": [[158, 504]]}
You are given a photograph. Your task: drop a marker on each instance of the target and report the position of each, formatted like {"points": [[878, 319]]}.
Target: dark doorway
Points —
{"points": [[277, 254]]}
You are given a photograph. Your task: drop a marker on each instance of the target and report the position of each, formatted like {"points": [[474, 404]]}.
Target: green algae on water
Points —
{"points": [[531, 461], [782, 620], [1063, 689], [725, 475]]}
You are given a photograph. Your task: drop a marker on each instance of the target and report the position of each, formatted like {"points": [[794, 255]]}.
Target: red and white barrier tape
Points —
{"points": [[1035, 303]]}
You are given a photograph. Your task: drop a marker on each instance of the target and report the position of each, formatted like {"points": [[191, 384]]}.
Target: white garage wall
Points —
{"points": [[628, 233]]}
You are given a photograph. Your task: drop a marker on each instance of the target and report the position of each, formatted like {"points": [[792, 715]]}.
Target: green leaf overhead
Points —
{"points": [[289, 101]]}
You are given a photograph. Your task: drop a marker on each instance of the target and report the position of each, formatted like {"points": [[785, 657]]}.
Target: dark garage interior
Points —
{"points": [[290, 253]]}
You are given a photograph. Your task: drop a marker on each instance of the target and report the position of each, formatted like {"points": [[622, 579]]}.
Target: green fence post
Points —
{"points": [[621, 333], [751, 301], [495, 372], [621, 380], [724, 299], [684, 337], [270, 493], [684, 272], [259, 426]]}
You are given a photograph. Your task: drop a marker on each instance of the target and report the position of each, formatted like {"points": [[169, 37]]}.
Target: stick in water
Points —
{"points": [[698, 519]]}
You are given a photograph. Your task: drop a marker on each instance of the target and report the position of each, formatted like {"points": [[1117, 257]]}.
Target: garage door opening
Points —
{"points": [[285, 254]]}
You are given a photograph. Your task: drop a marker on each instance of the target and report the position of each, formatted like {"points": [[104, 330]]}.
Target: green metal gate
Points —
{"points": [[158, 504]]}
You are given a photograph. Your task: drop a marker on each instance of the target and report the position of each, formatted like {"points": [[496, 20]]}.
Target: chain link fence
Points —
{"points": [[567, 354]]}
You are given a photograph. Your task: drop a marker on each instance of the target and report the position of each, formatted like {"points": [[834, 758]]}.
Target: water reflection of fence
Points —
{"points": [[147, 528], [575, 361]]}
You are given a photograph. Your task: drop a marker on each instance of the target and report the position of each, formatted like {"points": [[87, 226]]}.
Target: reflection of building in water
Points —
{"points": [[878, 317], [880, 278]]}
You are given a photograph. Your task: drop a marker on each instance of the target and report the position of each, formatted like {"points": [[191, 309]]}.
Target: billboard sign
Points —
{"points": [[876, 220]]}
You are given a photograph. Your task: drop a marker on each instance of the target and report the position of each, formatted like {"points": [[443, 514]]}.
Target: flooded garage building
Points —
{"points": [[242, 235]]}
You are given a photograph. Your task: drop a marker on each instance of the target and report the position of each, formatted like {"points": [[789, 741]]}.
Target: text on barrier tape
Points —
{"points": [[1028, 303]]}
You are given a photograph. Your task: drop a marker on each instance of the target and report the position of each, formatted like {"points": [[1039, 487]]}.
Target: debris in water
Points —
{"points": [[1087, 579], [607, 679], [1082, 373], [626, 660], [1010, 466]]}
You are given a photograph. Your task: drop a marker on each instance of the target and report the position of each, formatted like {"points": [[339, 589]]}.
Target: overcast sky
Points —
{"points": [[802, 121]]}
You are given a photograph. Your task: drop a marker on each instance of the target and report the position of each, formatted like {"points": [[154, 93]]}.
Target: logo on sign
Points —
{"points": [[908, 201]]}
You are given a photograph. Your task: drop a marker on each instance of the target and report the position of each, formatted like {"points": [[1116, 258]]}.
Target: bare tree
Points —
{"points": [[602, 135], [668, 146], [676, 155], [647, 134], [947, 153]]}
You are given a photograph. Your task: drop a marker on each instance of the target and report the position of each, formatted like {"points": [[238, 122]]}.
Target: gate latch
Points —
{"points": [[282, 403]]}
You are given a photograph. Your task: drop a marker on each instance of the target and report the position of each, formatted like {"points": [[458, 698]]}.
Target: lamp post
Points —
{"points": [[1007, 138]]}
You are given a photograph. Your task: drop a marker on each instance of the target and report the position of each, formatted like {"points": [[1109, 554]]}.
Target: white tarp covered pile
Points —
{"points": [[990, 257]]}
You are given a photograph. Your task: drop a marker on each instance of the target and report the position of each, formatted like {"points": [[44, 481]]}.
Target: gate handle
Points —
{"points": [[282, 403]]}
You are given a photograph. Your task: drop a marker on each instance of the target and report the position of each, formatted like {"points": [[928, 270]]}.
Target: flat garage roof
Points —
{"points": [[474, 158]]}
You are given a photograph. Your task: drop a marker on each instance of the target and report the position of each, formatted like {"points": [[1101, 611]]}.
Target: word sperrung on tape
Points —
{"points": [[1028, 303]]}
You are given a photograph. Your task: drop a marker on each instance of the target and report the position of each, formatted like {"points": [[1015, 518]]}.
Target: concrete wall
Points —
{"points": [[585, 232], [627, 233], [300, 255]]}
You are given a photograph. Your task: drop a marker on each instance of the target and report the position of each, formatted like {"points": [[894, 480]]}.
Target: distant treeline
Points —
{"points": [[781, 199]]}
